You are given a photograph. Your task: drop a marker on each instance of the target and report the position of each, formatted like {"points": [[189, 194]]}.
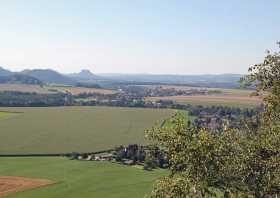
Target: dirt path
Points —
{"points": [[11, 184]]}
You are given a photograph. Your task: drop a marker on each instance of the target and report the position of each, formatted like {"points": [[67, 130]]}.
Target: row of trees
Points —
{"points": [[15, 99], [234, 163], [150, 156]]}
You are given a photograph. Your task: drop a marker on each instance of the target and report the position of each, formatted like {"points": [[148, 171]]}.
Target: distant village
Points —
{"points": [[149, 157]]}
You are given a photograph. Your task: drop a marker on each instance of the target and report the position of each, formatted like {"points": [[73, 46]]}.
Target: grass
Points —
{"points": [[80, 129], [80, 178], [5, 114]]}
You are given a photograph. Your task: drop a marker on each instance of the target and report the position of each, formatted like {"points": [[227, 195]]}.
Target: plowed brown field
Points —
{"points": [[12, 184]]}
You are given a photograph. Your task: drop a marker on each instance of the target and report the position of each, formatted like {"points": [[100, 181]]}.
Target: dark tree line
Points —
{"points": [[149, 156], [20, 99]]}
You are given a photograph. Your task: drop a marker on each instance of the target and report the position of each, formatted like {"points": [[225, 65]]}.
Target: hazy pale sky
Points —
{"points": [[137, 36]]}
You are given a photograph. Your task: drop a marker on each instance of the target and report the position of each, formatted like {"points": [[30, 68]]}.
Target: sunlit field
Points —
{"points": [[69, 129]]}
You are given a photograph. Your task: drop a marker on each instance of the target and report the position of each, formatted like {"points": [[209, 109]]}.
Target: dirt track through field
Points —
{"points": [[12, 184]]}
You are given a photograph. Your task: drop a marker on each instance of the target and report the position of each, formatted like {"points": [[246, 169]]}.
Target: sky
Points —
{"points": [[137, 36]]}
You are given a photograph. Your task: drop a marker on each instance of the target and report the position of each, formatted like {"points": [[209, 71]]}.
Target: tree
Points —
{"points": [[149, 162], [233, 163], [201, 163], [263, 160], [266, 77]]}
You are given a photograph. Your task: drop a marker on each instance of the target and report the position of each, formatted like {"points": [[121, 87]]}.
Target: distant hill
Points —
{"points": [[84, 75], [46, 76], [7, 76], [49, 76], [218, 80], [4, 72], [87, 78], [20, 79]]}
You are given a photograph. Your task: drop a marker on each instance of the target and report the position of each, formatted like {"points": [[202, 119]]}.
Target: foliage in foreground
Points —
{"points": [[234, 163]]}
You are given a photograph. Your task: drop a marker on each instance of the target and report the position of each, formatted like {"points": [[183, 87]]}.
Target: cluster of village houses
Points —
{"points": [[148, 156], [100, 157]]}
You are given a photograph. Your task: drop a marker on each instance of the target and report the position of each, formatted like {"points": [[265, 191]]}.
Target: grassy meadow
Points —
{"points": [[81, 179], [69, 129], [5, 114]]}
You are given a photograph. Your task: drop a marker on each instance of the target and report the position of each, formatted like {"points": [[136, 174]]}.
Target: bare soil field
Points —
{"points": [[11, 184], [238, 100], [79, 90]]}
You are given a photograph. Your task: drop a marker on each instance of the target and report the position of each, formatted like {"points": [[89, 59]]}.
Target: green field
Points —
{"points": [[80, 179], [5, 114], [70, 129]]}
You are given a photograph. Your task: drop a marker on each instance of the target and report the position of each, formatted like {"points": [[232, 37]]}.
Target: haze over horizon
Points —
{"points": [[110, 73], [158, 37]]}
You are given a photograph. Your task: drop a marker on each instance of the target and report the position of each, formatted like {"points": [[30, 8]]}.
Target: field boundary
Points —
{"points": [[35, 155], [1, 111], [52, 154]]}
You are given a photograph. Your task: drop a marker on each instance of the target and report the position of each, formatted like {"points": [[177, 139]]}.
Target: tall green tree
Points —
{"points": [[263, 151], [230, 164]]}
